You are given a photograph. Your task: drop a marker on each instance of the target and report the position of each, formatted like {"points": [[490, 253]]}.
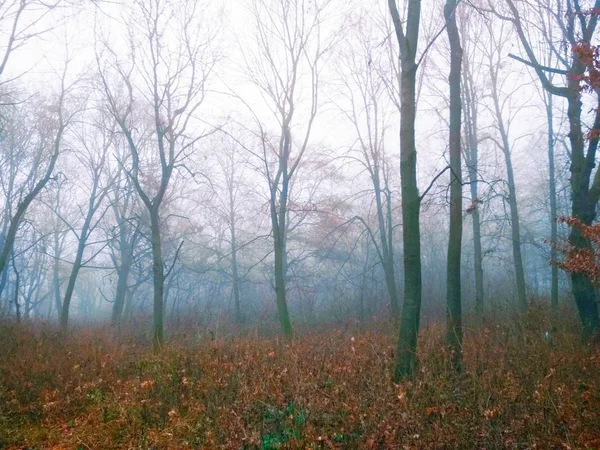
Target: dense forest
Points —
{"points": [[299, 224]]}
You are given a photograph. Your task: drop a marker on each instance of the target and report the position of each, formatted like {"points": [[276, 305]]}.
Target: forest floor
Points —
{"points": [[329, 389]]}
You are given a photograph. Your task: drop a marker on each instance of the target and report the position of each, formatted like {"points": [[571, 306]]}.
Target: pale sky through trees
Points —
{"points": [[328, 249]]}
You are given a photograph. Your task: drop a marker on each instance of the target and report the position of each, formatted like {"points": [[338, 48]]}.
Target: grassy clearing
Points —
{"points": [[325, 390]]}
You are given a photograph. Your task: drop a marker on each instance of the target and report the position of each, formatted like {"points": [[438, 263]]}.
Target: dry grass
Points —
{"points": [[324, 390]]}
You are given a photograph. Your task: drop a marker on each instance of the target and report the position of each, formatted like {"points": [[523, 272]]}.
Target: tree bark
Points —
{"points": [[406, 354], [584, 198], [406, 348], [472, 159], [93, 204], [123, 277], [387, 249], [278, 209], [66, 303], [583, 208], [16, 293], [234, 271], [56, 275], [158, 279], [453, 279], [282, 308], [553, 208], [235, 278]]}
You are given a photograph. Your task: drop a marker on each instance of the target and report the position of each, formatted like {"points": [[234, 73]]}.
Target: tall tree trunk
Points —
{"points": [[406, 353], [583, 198], [453, 279], [583, 208], [553, 216], [66, 303], [472, 157], [363, 287], [234, 266], [56, 276], [516, 233], [512, 199], [387, 251], [3, 280], [279, 226], [16, 293], [477, 248], [123, 278], [282, 308], [128, 309], [16, 298], [77, 264], [158, 278], [406, 348]]}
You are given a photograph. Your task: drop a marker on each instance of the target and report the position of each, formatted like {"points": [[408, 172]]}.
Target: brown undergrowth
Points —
{"points": [[332, 389]]}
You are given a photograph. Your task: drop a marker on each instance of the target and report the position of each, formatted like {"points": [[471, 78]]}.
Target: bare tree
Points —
{"points": [[471, 96], [544, 10], [123, 237], [39, 167], [22, 20], [170, 59], [230, 187], [578, 31], [94, 142], [58, 232], [453, 292], [503, 106], [365, 107], [407, 36], [286, 65]]}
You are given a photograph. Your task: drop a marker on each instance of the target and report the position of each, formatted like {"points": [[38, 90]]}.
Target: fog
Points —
{"points": [[267, 224], [221, 160]]}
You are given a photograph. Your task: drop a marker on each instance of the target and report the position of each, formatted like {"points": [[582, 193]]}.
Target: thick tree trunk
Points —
{"points": [[282, 308], [583, 199], [158, 279], [406, 352], [584, 209], [278, 210], [453, 280], [406, 349]]}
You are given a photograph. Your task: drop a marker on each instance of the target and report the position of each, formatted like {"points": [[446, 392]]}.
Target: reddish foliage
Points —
{"points": [[589, 79], [582, 260], [594, 133], [589, 55], [593, 12], [324, 390]]}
